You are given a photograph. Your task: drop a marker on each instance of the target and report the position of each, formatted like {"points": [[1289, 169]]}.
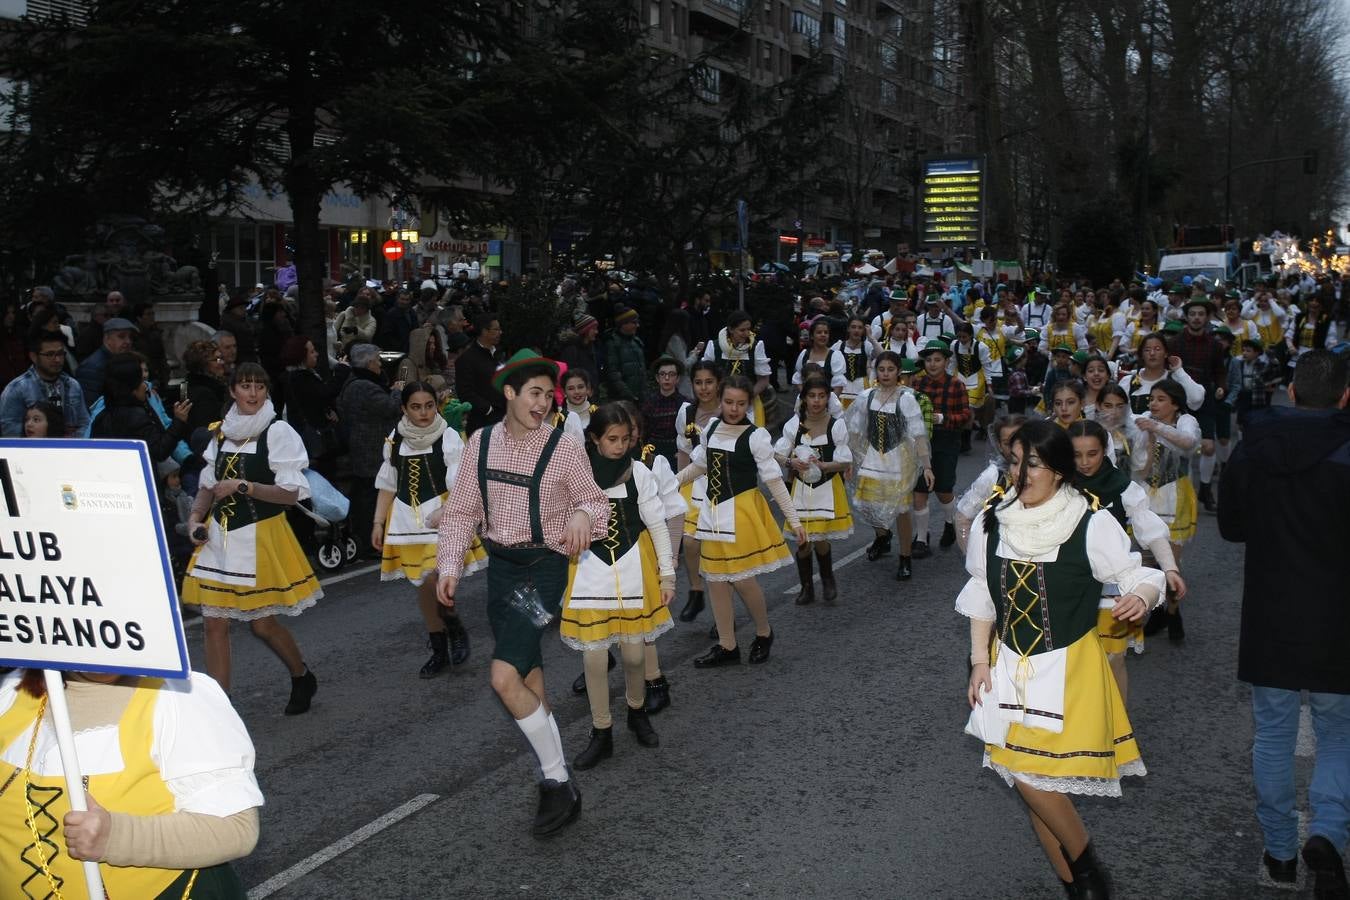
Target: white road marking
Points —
{"points": [[1306, 743], [332, 851], [838, 565]]}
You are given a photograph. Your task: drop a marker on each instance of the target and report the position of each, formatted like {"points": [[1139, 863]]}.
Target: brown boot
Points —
{"points": [[806, 572], [827, 586]]}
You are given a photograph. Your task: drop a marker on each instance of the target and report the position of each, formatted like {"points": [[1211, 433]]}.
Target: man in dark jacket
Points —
{"points": [[473, 375], [1285, 492], [625, 367], [368, 409]]}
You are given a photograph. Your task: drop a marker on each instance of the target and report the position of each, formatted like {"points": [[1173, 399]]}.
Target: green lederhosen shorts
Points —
{"points": [[946, 452], [516, 637], [213, 883]]}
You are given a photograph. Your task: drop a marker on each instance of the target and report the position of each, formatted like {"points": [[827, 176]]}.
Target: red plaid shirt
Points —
{"points": [[567, 485], [948, 396]]}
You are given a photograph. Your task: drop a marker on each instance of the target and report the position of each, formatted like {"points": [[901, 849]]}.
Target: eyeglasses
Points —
{"points": [[52, 354]]}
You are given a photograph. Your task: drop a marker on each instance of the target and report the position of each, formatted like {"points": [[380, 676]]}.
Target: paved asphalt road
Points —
{"points": [[838, 769]]}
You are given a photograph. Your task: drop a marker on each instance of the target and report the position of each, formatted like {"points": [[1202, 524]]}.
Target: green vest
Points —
{"points": [[731, 472], [239, 510], [1043, 606]]}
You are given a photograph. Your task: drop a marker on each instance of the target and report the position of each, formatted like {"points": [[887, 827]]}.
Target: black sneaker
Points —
{"points": [[948, 536], [920, 550], [1324, 861]]}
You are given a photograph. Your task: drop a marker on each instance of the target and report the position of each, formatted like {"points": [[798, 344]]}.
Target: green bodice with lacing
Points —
{"points": [[238, 510], [730, 472], [1044, 606]]}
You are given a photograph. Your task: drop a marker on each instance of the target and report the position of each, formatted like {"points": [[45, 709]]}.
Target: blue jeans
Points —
{"points": [[1275, 716]]}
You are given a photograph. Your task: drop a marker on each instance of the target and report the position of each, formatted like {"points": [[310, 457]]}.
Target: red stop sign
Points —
{"points": [[392, 250]]}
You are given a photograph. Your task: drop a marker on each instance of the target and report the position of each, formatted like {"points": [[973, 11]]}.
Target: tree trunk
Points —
{"points": [[306, 189]]}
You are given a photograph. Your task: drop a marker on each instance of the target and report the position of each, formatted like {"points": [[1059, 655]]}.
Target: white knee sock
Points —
{"points": [[946, 510], [543, 736], [1223, 452], [1206, 468], [921, 524]]}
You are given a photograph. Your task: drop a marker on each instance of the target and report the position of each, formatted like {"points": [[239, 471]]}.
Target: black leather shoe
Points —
{"points": [[303, 690], [1157, 621], [1089, 878], [719, 656], [905, 570], [920, 550], [948, 536], [658, 695], [1176, 631], [601, 747], [440, 656], [692, 606], [642, 729], [1281, 871], [559, 806], [881, 545], [1324, 861], [759, 648], [459, 641]]}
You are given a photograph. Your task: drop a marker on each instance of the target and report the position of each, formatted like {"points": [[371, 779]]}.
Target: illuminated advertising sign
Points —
{"points": [[953, 201]]}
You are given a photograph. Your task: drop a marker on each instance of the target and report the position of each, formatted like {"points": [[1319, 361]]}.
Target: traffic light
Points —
{"points": [[1310, 162]]}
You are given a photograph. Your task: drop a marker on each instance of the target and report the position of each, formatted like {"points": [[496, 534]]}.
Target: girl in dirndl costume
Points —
{"points": [[739, 352], [1042, 699], [815, 440], [738, 538], [889, 445], [1113, 491], [1166, 440], [690, 422], [820, 353], [858, 351], [248, 564], [619, 589], [421, 458]]}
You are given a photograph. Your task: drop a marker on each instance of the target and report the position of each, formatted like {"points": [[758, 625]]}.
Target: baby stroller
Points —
{"points": [[326, 509]]}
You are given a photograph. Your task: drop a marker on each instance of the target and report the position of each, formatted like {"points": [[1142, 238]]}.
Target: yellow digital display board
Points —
{"points": [[952, 198]]}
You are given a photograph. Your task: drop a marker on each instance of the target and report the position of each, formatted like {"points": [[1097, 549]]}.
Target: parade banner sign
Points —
{"points": [[85, 578], [953, 201]]}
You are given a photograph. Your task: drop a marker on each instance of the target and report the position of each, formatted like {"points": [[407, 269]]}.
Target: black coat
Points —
{"points": [[139, 423], [208, 396], [1285, 492], [473, 384]]}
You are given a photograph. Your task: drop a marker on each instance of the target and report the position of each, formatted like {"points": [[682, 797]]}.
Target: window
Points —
{"points": [[807, 25], [654, 14], [889, 95], [890, 58], [766, 55], [709, 83], [245, 254], [840, 31]]}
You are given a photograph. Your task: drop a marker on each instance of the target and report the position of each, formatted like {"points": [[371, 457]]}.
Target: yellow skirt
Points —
{"points": [[758, 415], [1097, 745], [416, 561], [1117, 636], [758, 546], [594, 629], [835, 528], [1183, 522], [284, 585]]}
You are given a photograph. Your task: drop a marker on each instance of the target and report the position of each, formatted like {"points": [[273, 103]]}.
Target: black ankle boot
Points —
{"points": [[881, 545], [642, 729], [303, 689], [692, 606], [905, 570], [437, 642], [1157, 621], [658, 695], [828, 587], [806, 573], [1089, 878], [601, 747], [1176, 632]]}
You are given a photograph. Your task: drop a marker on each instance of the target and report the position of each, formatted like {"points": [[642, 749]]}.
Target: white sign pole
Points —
{"points": [[70, 763]]}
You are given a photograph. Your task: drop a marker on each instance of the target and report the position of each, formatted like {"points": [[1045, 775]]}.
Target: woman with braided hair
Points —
{"points": [[421, 459]]}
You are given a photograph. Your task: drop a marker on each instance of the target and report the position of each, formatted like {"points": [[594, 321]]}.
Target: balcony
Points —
{"points": [[726, 12]]}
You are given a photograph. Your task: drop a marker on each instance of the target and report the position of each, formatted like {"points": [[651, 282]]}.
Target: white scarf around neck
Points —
{"points": [[242, 428], [1035, 531], [421, 438]]}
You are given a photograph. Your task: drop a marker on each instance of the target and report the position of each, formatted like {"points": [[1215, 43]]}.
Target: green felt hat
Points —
{"points": [[1199, 300], [935, 346], [1014, 354], [524, 357], [947, 337], [908, 366], [1060, 348], [1173, 326], [1081, 357], [1223, 329], [1031, 334]]}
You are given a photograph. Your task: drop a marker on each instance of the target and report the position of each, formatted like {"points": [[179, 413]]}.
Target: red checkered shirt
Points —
{"points": [[567, 485], [948, 395]]}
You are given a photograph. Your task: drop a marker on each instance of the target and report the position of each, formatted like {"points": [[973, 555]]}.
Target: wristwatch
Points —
{"points": [[243, 488]]}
